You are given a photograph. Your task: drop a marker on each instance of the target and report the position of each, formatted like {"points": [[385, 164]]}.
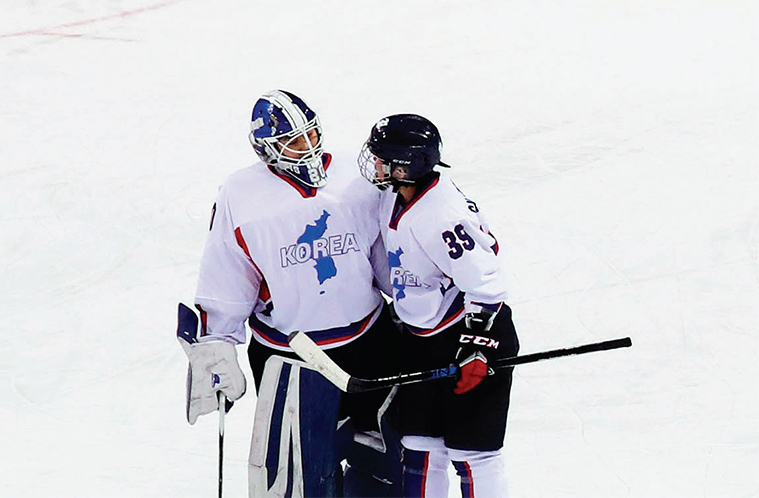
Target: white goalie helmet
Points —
{"points": [[287, 135]]}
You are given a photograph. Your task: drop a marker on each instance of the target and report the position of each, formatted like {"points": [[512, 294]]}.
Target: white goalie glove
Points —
{"points": [[213, 368]]}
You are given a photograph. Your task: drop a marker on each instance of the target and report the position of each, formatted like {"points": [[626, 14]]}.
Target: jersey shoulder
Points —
{"points": [[253, 181], [255, 194], [443, 203], [343, 170], [345, 180]]}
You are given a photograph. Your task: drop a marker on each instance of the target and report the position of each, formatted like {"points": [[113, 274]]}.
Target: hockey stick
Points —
{"points": [[224, 406], [312, 354], [187, 331], [222, 412]]}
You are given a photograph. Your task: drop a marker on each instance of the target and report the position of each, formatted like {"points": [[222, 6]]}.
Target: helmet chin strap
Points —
{"points": [[397, 183], [398, 178]]}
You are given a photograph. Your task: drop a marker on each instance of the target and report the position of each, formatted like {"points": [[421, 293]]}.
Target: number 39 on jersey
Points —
{"points": [[458, 241]]}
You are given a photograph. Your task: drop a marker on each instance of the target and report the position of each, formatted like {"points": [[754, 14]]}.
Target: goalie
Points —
{"points": [[289, 250]]}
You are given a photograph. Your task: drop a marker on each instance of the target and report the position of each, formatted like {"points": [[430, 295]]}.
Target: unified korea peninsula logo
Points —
{"points": [[400, 278], [314, 247]]}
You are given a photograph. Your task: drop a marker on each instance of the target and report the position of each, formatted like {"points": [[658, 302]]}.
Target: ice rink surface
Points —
{"points": [[613, 146]]}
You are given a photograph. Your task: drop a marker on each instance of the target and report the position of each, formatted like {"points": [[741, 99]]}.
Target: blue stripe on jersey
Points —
{"points": [[455, 312], [320, 337]]}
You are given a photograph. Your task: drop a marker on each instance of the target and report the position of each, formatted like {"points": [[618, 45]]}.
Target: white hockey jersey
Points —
{"points": [[441, 254], [289, 257]]}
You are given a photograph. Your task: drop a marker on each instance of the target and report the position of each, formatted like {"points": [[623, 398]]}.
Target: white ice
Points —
{"points": [[612, 144]]}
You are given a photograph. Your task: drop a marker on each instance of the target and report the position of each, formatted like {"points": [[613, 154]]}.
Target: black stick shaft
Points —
{"points": [[222, 413], [358, 385], [557, 353], [221, 462]]}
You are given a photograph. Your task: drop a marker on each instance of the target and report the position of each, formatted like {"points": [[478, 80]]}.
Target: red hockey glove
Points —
{"points": [[475, 346], [472, 370]]}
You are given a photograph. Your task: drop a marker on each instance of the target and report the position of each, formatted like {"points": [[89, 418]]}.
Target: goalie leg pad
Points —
{"points": [[294, 449]]}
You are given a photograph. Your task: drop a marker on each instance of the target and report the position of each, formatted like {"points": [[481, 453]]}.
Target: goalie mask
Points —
{"points": [[401, 150], [286, 134]]}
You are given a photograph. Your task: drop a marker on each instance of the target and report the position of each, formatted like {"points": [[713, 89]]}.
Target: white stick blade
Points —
{"points": [[312, 354]]}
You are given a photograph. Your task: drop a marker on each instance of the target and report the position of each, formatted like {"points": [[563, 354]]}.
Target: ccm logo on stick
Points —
{"points": [[478, 341]]}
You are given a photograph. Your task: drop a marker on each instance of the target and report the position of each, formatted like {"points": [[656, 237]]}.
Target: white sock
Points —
{"points": [[425, 467], [482, 473]]}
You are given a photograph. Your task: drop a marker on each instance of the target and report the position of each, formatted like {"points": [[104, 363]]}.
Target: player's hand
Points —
{"points": [[472, 370], [476, 345], [213, 368]]}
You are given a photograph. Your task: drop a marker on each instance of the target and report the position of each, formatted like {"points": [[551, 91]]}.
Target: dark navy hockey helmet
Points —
{"points": [[401, 150], [287, 135]]}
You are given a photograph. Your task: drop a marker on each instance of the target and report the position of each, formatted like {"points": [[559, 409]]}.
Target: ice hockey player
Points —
{"points": [[449, 291], [291, 250]]}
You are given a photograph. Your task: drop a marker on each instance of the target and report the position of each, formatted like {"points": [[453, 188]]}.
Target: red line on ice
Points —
{"points": [[126, 13]]}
